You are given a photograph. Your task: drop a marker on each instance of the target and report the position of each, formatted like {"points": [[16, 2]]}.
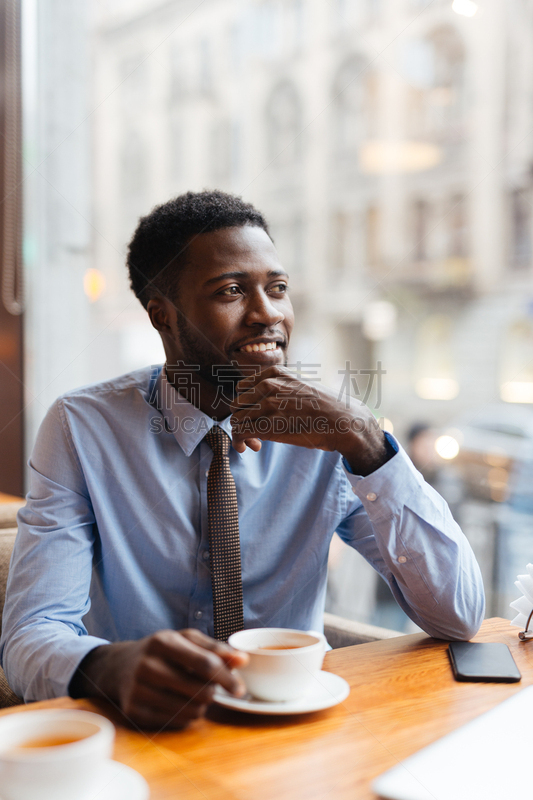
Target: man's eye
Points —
{"points": [[279, 288], [230, 291]]}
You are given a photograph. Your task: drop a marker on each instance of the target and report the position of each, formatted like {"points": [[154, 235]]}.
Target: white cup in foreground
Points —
{"points": [[283, 662], [53, 755]]}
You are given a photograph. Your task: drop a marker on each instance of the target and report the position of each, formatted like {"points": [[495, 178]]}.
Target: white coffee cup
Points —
{"points": [[280, 674], [57, 772]]}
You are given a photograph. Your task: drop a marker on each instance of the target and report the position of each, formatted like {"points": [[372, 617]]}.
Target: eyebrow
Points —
{"points": [[272, 273]]}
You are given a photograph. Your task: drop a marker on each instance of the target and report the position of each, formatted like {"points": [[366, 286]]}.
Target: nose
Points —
{"points": [[262, 311]]}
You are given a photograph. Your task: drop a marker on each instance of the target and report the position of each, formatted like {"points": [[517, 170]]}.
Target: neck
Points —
{"points": [[198, 392]]}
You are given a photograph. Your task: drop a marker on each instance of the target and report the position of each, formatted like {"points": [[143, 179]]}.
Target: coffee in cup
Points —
{"points": [[53, 754], [283, 662]]}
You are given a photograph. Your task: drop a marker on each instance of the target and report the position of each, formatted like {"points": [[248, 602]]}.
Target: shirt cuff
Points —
{"points": [[391, 446]]}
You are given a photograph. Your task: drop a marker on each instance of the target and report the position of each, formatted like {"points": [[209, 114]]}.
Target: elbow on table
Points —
{"points": [[465, 623]]}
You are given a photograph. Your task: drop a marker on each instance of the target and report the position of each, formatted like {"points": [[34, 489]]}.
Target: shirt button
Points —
{"points": [[206, 473], [371, 496], [198, 615], [354, 490], [402, 560], [205, 555]]}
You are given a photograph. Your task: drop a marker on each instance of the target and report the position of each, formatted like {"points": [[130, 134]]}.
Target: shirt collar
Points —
{"points": [[188, 424]]}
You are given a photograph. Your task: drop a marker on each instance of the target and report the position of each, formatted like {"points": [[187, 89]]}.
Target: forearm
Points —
{"points": [[365, 455], [96, 673]]}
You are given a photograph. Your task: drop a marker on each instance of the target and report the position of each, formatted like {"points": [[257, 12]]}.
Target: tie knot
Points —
{"points": [[218, 441]]}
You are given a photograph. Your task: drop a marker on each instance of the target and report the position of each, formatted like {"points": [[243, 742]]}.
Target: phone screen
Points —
{"points": [[483, 662]]}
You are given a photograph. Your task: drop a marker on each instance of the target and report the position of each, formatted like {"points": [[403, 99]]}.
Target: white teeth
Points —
{"points": [[254, 348]]}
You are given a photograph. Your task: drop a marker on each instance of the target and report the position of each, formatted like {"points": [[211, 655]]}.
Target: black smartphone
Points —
{"points": [[483, 662]]}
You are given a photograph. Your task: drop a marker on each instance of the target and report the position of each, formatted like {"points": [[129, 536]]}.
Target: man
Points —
{"points": [[112, 584]]}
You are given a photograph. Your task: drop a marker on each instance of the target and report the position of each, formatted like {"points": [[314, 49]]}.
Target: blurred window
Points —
{"points": [[373, 236], [516, 365], [421, 225], [284, 124], [355, 93], [176, 152], [289, 238], [458, 228], [435, 375], [521, 228], [341, 237], [134, 176], [434, 68]]}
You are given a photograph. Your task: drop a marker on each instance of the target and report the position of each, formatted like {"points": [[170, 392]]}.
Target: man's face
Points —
{"points": [[233, 305]]}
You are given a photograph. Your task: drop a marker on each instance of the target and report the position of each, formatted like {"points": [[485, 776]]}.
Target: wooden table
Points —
{"points": [[402, 698], [11, 498]]}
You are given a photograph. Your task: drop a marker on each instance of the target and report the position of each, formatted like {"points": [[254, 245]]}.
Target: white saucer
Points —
{"points": [[117, 781], [328, 690]]}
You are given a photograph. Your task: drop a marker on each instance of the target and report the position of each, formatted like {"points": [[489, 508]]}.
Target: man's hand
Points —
{"points": [[275, 405], [164, 680]]}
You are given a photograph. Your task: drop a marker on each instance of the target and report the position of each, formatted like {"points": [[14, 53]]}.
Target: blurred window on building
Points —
{"points": [[134, 87], [458, 244], [178, 87], [446, 96], [348, 13], [521, 229], [205, 68], [373, 237], [435, 374], [134, 176], [355, 93], [434, 69], [421, 227], [294, 26], [351, 13], [284, 124], [221, 153], [289, 238], [516, 370], [264, 28], [340, 241], [176, 152]]}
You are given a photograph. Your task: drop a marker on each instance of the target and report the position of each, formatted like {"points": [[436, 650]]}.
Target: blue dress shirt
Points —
{"points": [[113, 541]]}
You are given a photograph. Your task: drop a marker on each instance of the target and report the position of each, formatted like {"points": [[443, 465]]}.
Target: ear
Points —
{"points": [[160, 311]]}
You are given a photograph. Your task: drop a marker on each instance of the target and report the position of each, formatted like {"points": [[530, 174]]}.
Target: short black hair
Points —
{"points": [[158, 249]]}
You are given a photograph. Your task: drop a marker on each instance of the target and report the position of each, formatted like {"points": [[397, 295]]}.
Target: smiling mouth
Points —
{"points": [[260, 347]]}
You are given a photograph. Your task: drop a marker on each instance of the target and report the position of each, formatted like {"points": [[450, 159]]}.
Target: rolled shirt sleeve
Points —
{"points": [[43, 635], [412, 540]]}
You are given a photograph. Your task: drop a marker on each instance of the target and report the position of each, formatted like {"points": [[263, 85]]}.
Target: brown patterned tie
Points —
{"points": [[224, 543]]}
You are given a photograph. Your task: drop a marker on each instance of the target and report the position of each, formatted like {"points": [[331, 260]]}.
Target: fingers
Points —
{"points": [[164, 678], [235, 658], [277, 372], [153, 708], [203, 659], [240, 446]]}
